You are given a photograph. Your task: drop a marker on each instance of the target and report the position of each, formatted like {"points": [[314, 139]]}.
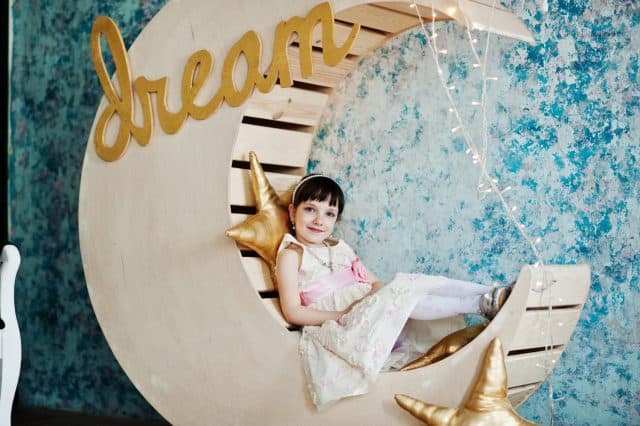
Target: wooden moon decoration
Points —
{"points": [[170, 291]]}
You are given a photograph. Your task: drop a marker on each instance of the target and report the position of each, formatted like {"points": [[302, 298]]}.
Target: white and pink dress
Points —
{"points": [[343, 358]]}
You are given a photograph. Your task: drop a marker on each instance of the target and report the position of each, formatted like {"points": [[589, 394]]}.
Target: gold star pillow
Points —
{"points": [[486, 405], [263, 231]]}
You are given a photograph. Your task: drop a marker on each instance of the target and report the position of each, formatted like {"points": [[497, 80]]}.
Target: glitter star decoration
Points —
{"points": [[264, 230], [486, 405]]}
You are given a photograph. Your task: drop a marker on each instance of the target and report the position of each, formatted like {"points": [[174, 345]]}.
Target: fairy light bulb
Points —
{"points": [[452, 87], [443, 51], [538, 240], [475, 103], [476, 65], [514, 208], [506, 189], [450, 109], [455, 129]]}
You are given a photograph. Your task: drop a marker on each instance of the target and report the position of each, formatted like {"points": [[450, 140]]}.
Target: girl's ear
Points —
{"points": [[292, 213]]}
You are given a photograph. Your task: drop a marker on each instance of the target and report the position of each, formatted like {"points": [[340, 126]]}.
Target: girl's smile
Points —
{"points": [[314, 221]]}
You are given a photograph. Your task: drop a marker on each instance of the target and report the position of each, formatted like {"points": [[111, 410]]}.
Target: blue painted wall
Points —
{"points": [[564, 115]]}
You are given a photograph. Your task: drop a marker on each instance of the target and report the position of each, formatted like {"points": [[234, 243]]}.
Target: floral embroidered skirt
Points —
{"points": [[343, 358]]}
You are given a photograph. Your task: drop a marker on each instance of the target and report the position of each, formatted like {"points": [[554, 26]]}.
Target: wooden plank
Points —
{"points": [[258, 273], [273, 146], [241, 193], [290, 105], [273, 306], [378, 18], [533, 328], [366, 40], [237, 218], [570, 285], [527, 368], [323, 75], [519, 394], [425, 12]]}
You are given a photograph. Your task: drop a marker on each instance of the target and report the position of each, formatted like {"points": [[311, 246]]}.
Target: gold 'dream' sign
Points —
{"points": [[196, 71]]}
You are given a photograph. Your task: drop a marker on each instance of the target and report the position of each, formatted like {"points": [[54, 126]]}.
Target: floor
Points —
{"points": [[43, 417]]}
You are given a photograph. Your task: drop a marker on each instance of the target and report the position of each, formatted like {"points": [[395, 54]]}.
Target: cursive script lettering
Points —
{"points": [[120, 102]]}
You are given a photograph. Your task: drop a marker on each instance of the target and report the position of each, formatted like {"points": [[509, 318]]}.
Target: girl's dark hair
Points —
{"points": [[318, 188]]}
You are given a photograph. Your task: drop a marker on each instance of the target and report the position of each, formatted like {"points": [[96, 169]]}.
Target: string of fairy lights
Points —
{"points": [[486, 182]]}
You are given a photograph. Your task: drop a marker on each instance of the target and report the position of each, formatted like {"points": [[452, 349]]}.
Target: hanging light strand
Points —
{"points": [[485, 179]]}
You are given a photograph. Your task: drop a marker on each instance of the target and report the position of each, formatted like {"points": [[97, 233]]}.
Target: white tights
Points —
{"points": [[447, 297]]}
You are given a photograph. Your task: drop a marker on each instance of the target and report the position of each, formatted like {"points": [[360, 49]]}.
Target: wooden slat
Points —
{"points": [[273, 306], [237, 218], [532, 330], [378, 18], [527, 368], [570, 285], [323, 75], [366, 40], [241, 193], [289, 105], [520, 394], [425, 12], [273, 146], [258, 273]]}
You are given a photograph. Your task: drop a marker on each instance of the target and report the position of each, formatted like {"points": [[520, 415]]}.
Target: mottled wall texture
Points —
{"points": [[563, 132]]}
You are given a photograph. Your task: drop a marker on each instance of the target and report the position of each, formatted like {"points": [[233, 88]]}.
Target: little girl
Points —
{"points": [[351, 320]]}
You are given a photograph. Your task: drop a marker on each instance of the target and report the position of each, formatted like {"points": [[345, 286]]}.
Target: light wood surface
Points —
{"points": [[519, 394], [524, 369], [323, 75], [365, 41], [381, 19], [272, 145], [534, 330]]}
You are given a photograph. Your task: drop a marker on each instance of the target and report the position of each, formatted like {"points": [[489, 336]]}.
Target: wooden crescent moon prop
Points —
{"points": [[172, 294]]}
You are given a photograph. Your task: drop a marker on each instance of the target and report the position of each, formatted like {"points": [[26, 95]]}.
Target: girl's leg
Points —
{"points": [[448, 287], [435, 307], [446, 297]]}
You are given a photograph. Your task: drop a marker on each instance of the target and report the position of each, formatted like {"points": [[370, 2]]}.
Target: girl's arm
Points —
{"points": [[287, 266], [376, 284]]}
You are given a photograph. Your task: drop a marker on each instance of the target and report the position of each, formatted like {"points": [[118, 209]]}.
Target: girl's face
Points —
{"points": [[314, 221]]}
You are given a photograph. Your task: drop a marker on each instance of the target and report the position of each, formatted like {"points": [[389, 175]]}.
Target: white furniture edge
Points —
{"points": [[10, 346]]}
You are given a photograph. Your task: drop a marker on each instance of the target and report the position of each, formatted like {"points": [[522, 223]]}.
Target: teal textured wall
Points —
{"points": [[55, 93], [564, 125]]}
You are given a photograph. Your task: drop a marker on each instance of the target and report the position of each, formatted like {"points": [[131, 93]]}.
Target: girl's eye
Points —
{"points": [[331, 214], [309, 209]]}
